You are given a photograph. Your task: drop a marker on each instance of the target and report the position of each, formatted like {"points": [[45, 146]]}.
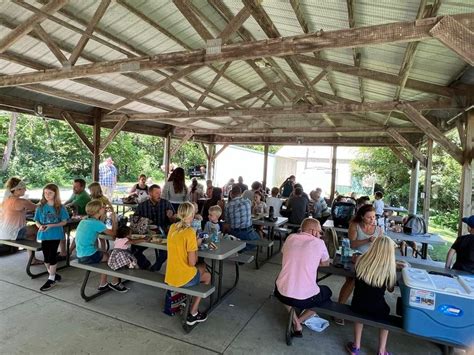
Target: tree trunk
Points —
{"points": [[11, 138]]}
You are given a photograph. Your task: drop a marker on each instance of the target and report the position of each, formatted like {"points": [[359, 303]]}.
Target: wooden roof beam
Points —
{"points": [[67, 117], [401, 156], [456, 36], [100, 11], [183, 141], [407, 145], [293, 110], [432, 131], [53, 47], [356, 53], [28, 25], [211, 85], [357, 37]]}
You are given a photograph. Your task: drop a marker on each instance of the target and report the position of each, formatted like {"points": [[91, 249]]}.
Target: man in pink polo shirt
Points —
{"points": [[296, 284]]}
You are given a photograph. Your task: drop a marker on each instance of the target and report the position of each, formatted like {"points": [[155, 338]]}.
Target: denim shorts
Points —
{"points": [[91, 259], [21, 234], [194, 281]]}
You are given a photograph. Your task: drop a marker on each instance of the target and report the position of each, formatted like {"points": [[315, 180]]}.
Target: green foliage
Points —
{"points": [[189, 155]]}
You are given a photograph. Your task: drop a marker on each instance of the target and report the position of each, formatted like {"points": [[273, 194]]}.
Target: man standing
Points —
{"points": [[160, 212], [241, 184], [238, 216], [108, 177]]}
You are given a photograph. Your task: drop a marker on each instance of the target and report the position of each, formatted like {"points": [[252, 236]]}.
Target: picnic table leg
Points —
{"points": [[28, 268], [219, 282], [213, 281], [257, 266], [424, 250], [83, 289], [271, 236], [289, 326], [187, 328]]}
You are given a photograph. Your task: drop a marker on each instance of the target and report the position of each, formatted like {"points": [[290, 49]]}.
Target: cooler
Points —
{"points": [[438, 306]]}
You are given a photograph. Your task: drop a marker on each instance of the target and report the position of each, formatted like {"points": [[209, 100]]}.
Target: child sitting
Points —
{"points": [[121, 256], [463, 247], [375, 272], [212, 225], [182, 269], [197, 221], [87, 234], [258, 208], [275, 202]]}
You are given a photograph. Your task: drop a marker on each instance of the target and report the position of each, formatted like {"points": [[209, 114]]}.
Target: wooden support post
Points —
{"points": [[413, 196], [166, 155], [96, 144], [265, 166], [333, 173], [211, 161], [467, 193], [427, 190]]}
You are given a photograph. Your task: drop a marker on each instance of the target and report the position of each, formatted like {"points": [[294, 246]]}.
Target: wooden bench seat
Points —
{"points": [[153, 279], [392, 324]]}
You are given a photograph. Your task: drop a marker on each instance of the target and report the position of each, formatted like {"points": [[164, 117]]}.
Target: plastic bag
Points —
{"points": [[316, 324]]}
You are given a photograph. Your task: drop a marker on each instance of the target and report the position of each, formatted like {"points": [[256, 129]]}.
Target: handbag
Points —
{"points": [[173, 302]]}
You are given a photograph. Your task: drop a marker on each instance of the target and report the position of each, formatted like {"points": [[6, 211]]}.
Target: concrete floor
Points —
{"points": [[248, 322]]}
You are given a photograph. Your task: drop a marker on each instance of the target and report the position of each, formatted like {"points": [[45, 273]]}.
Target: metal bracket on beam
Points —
{"points": [[213, 46]]}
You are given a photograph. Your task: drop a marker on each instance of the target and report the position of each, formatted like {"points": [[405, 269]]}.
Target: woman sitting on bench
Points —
{"points": [[296, 284], [375, 272]]}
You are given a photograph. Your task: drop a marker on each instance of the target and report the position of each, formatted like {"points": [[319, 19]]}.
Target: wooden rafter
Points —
{"points": [[339, 141], [234, 24], [407, 145], [245, 97], [356, 53], [24, 28], [53, 47], [432, 131], [220, 151], [205, 150], [401, 156], [278, 128], [456, 36], [100, 11], [211, 85], [67, 117], [292, 110], [113, 133], [356, 37], [183, 141]]}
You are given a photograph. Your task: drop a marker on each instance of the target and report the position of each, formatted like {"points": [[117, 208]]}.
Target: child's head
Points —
{"points": [[214, 213], [378, 195], [257, 196], [95, 208], [377, 266], [275, 191], [123, 232], [470, 223], [51, 194], [95, 190], [142, 179], [185, 214]]}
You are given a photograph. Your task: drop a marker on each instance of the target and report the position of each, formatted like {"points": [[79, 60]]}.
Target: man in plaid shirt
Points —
{"points": [[238, 216], [108, 177]]}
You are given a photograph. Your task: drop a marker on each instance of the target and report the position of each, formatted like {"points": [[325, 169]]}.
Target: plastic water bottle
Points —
{"points": [[346, 247]]}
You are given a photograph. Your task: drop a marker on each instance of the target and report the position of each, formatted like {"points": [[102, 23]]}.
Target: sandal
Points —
{"points": [[350, 347]]}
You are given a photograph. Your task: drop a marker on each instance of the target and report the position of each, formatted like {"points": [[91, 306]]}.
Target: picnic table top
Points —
{"points": [[427, 238], [260, 221]]}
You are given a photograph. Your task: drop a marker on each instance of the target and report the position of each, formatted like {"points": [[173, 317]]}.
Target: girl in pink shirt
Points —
{"points": [[296, 284]]}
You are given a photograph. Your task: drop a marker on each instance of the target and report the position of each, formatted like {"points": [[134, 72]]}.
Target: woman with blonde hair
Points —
{"points": [[182, 269], [375, 273], [95, 191]]}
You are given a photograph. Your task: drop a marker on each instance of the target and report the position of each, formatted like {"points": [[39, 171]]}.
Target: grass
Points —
{"points": [[439, 252]]}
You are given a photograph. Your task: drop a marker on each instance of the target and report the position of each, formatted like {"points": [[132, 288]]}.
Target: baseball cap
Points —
{"points": [[469, 221]]}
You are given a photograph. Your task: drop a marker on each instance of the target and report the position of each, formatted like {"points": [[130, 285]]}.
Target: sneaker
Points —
{"points": [[198, 318], [48, 285], [118, 287], [103, 288], [350, 347], [57, 278]]}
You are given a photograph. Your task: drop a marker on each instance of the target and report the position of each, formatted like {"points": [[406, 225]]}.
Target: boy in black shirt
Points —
{"points": [[463, 247]]}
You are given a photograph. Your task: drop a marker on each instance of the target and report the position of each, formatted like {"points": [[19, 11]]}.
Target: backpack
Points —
{"points": [[414, 225], [342, 213], [139, 225]]}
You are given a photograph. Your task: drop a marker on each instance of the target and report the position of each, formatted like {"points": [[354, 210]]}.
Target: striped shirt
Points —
{"points": [[238, 213], [107, 175], [156, 212]]}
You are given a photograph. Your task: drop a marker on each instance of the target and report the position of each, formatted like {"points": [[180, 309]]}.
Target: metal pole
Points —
{"points": [[265, 166]]}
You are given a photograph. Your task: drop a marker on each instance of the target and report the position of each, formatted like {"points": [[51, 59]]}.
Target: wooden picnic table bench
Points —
{"points": [[392, 323], [145, 277]]}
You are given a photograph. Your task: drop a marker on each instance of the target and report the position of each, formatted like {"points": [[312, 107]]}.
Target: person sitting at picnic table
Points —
{"points": [[297, 206], [79, 198], [240, 183], [13, 219], [209, 188], [96, 193], [379, 206], [183, 269], [320, 208], [248, 194], [296, 284], [227, 187], [275, 202], [140, 189], [286, 187], [362, 233], [161, 213], [216, 199], [175, 190], [375, 273], [238, 216], [463, 248], [87, 234], [196, 191]]}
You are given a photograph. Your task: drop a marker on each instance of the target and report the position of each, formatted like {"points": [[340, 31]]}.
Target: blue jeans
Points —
{"points": [[245, 234], [194, 281]]}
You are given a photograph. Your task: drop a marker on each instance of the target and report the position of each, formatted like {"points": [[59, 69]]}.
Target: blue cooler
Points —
{"points": [[438, 306]]}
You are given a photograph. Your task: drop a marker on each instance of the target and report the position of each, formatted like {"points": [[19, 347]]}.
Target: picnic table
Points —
{"points": [[126, 207], [423, 239], [225, 250], [271, 226], [395, 209], [330, 224]]}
